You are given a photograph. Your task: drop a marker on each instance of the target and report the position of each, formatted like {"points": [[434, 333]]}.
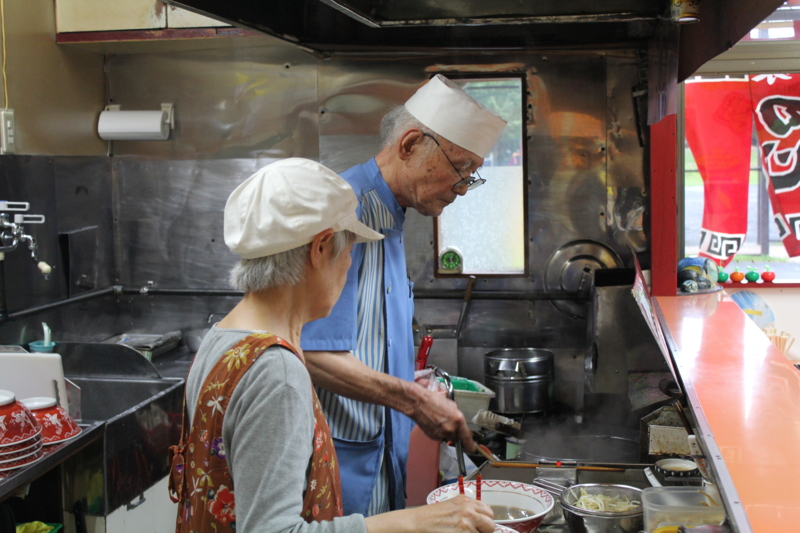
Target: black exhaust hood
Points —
{"points": [[327, 26]]}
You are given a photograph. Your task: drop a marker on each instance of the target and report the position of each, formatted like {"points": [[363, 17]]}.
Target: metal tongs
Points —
{"points": [[448, 383]]}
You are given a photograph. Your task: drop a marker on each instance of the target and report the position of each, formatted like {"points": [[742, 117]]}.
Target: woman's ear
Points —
{"points": [[321, 246]]}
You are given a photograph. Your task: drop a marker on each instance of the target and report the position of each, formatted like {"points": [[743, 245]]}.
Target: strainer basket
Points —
{"points": [[587, 521], [571, 495]]}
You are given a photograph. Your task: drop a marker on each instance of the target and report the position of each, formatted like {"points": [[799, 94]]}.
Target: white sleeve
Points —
{"points": [[268, 433]]}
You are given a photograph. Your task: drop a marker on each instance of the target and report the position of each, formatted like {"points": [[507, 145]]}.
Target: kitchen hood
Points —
{"points": [[380, 26]]}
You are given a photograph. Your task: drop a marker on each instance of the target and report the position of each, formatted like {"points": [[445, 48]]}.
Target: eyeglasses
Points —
{"points": [[472, 182]]}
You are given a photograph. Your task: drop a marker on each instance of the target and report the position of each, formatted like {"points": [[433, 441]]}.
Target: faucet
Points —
{"points": [[12, 233]]}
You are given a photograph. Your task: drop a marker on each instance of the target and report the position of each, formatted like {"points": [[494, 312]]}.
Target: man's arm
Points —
{"points": [[343, 374]]}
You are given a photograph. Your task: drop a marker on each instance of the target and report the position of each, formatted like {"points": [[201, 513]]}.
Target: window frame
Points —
{"points": [[490, 76]]}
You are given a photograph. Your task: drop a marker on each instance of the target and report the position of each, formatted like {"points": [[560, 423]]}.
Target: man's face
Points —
{"points": [[430, 177]]}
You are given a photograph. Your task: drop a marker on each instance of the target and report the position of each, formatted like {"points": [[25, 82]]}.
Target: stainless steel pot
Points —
{"points": [[522, 379]]}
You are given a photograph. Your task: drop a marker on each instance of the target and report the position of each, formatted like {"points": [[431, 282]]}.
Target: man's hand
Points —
{"points": [[343, 374], [440, 418]]}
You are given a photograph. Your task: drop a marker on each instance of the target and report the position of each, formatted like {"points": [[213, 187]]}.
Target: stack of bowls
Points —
{"points": [[57, 425], [20, 434]]}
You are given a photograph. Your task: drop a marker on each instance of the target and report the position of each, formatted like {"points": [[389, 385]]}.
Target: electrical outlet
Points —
{"points": [[8, 133]]}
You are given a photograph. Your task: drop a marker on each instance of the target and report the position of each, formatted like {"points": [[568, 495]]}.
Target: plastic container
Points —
{"points": [[470, 402], [681, 506], [40, 346]]}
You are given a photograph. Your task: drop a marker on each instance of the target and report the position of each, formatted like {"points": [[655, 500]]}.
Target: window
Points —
{"points": [[741, 173], [483, 232]]}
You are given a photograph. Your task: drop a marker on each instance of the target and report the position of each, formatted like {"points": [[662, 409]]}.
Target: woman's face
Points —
{"points": [[333, 277]]}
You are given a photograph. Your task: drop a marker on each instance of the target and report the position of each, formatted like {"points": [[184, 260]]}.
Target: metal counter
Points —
{"points": [[54, 456]]}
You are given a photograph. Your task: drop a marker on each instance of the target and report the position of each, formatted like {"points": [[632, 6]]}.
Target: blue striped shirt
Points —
{"points": [[351, 419]]}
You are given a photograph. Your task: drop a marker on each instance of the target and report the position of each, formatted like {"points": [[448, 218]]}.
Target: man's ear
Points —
{"points": [[321, 245], [408, 142]]}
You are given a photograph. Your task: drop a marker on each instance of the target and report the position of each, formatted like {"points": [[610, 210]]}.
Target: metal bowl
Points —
{"points": [[586, 521]]}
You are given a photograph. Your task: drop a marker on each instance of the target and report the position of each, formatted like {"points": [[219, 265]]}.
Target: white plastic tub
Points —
{"points": [[680, 506], [470, 402]]}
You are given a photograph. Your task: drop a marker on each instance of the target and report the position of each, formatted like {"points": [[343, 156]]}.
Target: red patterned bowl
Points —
{"points": [[34, 445], [5, 466], [537, 502], [21, 445], [17, 424], [57, 425]]}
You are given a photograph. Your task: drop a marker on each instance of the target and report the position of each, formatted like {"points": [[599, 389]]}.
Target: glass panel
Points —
{"points": [[486, 227]]}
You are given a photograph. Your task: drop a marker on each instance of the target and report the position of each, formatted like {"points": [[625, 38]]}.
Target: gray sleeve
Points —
{"points": [[268, 432]]}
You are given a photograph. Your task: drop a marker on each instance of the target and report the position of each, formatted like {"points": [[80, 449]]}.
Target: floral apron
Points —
{"points": [[200, 481]]}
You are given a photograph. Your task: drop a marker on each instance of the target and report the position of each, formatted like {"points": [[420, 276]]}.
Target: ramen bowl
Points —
{"points": [[17, 424], [57, 425], [32, 445], [507, 498]]}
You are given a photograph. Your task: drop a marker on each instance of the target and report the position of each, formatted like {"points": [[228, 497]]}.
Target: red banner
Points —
{"points": [[719, 133], [776, 104]]}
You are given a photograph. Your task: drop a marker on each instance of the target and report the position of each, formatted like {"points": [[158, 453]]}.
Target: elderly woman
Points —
{"points": [[256, 454]]}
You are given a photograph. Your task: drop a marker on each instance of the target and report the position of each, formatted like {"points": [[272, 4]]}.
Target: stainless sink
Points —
{"points": [[142, 420], [104, 399], [142, 416]]}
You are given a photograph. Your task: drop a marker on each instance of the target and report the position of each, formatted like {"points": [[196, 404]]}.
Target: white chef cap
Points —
{"points": [[285, 204], [448, 110]]}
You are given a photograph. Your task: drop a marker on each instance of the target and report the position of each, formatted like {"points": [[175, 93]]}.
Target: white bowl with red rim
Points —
{"points": [[17, 423], [536, 501], [57, 425]]}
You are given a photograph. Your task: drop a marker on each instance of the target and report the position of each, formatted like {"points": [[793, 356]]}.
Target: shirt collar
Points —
{"points": [[385, 193]]}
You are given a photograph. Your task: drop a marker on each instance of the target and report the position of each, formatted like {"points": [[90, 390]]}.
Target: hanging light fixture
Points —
{"points": [[684, 11]]}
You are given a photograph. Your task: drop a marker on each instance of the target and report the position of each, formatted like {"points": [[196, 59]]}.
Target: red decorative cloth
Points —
{"points": [[719, 133], [776, 104]]}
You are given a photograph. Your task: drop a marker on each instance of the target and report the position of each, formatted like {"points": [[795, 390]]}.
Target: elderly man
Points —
{"points": [[431, 147]]}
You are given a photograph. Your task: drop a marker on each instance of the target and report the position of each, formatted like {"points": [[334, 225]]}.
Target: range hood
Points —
{"points": [[329, 26]]}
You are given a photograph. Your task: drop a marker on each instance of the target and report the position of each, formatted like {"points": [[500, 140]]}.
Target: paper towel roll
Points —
{"points": [[133, 125]]}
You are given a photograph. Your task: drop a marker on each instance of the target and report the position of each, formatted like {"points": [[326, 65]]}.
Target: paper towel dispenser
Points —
{"points": [[118, 125]]}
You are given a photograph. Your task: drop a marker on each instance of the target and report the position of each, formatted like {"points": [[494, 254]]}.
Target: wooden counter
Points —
{"points": [[746, 398]]}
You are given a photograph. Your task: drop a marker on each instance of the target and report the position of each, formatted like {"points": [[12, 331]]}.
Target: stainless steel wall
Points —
{"points": [[585, 173], [76, 239], [585, 167], [240, 108]]}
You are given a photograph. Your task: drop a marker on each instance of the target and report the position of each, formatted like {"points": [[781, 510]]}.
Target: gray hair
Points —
{"points": [[283, 269], [398, 121]]}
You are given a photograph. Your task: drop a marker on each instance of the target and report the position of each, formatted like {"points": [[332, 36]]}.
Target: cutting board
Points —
{"points": [[33, 374]]}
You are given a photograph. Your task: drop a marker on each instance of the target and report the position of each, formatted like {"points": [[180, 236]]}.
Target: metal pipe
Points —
{"points": [[54, 305], [373, 22], [3, 310], [434, 294], [418, 294], [150, 291]]}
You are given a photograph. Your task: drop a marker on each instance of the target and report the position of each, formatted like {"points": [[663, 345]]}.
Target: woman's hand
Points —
{"points": [[456, 515]]}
